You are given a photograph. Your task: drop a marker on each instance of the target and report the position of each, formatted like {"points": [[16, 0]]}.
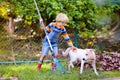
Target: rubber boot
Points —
{"points": [[38, 67], [53, 66]]}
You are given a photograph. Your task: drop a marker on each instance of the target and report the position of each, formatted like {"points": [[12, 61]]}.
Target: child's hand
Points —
{"points": [[41, 20]]}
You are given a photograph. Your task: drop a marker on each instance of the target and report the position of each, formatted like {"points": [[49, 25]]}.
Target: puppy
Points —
{"points": [[83, 55]]}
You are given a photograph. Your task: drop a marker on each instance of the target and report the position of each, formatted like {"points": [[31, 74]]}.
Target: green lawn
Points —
{"points": [[27, 72]]}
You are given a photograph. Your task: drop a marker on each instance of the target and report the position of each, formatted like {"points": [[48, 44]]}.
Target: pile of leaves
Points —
{"points": [[108, 61]]}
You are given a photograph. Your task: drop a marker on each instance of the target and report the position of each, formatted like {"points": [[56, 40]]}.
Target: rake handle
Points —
{"points": [[44, 27]]}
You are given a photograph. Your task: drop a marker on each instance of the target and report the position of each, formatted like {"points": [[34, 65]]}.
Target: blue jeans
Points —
{"points": [[46, 48]]}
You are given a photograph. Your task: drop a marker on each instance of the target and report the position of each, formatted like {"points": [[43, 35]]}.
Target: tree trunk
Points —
{"points": [[10, 27]]}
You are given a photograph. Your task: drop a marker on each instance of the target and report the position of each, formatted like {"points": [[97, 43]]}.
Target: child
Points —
{"points": [[53, 30]]}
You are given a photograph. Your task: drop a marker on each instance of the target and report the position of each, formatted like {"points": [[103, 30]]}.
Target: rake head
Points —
{"points": [[59, 66]]}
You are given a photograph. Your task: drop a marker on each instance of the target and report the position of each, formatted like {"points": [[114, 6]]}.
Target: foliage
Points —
{"points": [[83, 12], [90, 20], [85, 15]]}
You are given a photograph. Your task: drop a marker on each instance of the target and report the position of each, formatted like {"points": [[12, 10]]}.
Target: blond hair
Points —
{"points": [[62, 17]]}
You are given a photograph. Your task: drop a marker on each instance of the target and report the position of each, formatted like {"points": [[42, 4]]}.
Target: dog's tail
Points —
{"points": [[66, 52]]}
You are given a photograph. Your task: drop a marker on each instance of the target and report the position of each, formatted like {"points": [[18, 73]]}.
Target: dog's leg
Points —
{"points": [[81, 67], [94, 67], [70, 64]]}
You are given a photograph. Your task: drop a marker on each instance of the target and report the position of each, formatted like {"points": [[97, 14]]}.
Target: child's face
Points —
{"points": [[61, 23]]}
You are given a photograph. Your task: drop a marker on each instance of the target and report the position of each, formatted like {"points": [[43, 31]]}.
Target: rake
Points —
{"points": [[59, 66]]}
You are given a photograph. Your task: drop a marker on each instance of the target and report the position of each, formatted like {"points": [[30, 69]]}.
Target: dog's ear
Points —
{"points": [[90, 50]]}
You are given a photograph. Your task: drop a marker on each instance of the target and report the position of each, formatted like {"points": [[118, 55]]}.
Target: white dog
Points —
{"points": [[83, 55]]}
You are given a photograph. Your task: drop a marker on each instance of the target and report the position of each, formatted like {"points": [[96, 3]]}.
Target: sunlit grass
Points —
{"points": [[27, 72]]}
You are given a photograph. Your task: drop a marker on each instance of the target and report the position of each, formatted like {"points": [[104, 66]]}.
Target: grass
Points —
{"points": [[27, 72]]}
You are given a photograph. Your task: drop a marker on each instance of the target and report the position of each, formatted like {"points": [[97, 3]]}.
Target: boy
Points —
{"points": [[53, 30]]}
